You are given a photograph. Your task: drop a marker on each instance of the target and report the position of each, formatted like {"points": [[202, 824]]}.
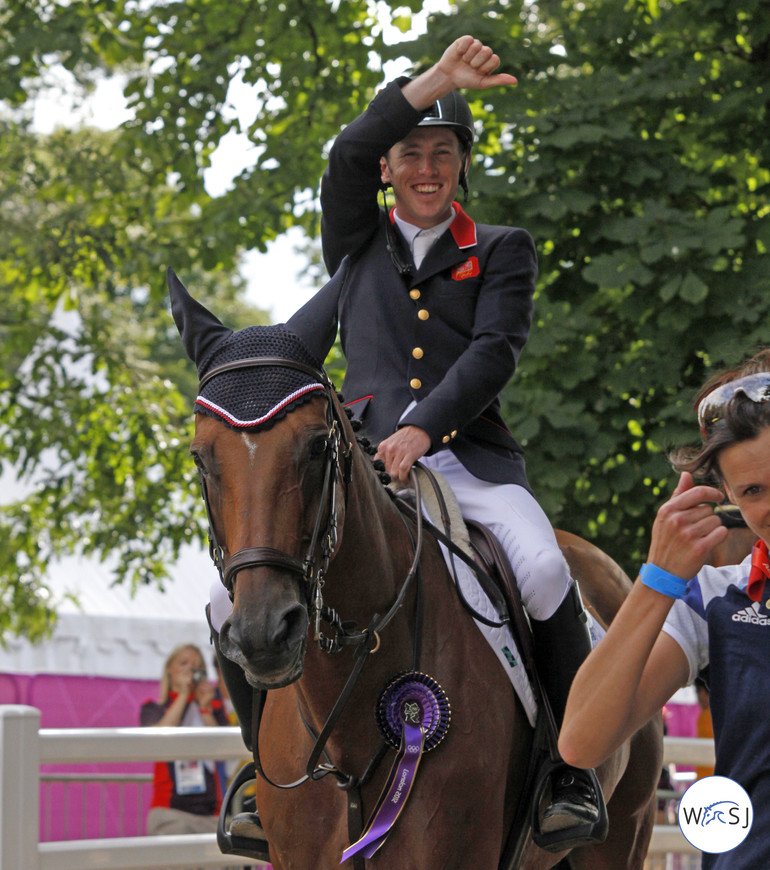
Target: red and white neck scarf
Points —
{"points": [[760, 571]]}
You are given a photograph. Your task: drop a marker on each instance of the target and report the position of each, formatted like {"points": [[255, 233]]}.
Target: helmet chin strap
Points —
{"points": [[403, 267], [464, 185], [464, 173]]}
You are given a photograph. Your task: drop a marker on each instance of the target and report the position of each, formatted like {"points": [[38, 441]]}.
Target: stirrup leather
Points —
{"points": [[236, 844], [586, 834]]}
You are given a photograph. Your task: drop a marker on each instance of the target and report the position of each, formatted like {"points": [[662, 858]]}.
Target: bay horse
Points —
{"points": [[306, 536]]}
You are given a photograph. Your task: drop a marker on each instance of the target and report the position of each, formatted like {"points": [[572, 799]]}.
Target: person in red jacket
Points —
{"points": [[186, 795]]}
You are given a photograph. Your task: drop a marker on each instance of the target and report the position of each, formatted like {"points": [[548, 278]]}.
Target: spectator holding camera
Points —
{"points": [[186, 794]]}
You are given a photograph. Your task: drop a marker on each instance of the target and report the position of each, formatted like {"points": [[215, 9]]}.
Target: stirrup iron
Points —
{"points": [[236, 844], [586, 834]]}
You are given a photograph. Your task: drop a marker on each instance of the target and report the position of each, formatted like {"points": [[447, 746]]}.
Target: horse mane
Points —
{"points": [[367, 448]]}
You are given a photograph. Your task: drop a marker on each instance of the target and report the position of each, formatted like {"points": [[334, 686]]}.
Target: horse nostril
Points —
{"points": [[231, 642], [223, 636], [245, 639], [291, 627]]}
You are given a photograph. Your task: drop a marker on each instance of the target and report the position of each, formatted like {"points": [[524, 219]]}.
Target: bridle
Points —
{"points": [[323, 542]]}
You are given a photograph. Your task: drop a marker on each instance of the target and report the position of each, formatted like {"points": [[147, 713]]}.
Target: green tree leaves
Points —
{"points": [[95, 390], [634, 149], [657, 277]]}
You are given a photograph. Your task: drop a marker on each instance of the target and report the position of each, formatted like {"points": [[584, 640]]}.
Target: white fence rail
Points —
{"points": [[24, 747], [692, 752]]}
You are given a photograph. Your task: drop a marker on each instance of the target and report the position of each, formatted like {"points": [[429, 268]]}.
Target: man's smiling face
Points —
{"points": [[424, 169]]}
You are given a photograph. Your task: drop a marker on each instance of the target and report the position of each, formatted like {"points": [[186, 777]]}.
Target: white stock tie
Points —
{"points": [[422, 243]]}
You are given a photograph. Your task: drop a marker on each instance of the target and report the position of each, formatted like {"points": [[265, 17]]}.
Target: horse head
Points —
{"points": [[274, 494]]}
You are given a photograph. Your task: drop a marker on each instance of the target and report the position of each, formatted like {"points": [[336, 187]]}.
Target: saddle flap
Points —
{"points": [[494, 562]]}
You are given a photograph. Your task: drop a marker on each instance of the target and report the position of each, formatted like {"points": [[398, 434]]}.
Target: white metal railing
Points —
{"points": [[691, 751], [24, 747]]}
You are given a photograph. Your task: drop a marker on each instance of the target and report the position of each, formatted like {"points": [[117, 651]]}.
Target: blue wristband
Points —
{"points": [[661, 581]]}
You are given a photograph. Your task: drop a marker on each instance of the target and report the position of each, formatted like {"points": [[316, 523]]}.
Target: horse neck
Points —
{"points": [[375, 545], [364, 579]]}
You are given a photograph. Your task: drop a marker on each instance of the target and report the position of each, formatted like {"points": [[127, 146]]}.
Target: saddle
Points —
{"points": [[545, 759]]}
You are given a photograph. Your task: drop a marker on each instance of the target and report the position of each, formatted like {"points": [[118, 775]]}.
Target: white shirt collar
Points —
{"points": [[410, 231]]}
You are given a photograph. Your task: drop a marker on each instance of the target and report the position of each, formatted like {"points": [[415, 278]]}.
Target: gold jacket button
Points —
{"points": [[453, 433], [446, 439], [414, 294], [415, 383], [423, 314], [417, 352]]}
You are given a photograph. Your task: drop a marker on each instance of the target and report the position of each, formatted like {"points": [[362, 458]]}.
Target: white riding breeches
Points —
{"points": [[514, 517], [220, 605]]}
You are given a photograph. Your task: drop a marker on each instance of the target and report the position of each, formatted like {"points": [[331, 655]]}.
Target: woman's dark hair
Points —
{"points": [[742, 420]]}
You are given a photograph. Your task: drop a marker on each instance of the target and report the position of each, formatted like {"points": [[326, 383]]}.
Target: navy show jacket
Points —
{"points": [[446, 336]]}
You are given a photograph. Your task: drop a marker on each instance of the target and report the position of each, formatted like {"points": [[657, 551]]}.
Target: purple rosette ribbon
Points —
{"points": [[413, 714], [393, 797]]}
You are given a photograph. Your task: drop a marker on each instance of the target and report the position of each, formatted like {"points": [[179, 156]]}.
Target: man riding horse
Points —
{"points": [[434, 311]]}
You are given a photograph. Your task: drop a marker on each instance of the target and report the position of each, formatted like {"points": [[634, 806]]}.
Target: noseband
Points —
{"points": [[322, 542]]}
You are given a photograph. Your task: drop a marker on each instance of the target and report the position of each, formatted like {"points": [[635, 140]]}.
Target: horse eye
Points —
{"points": [[318, 447], [199, 464]]}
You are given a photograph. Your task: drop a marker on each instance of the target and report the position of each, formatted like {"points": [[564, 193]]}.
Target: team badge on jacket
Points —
{"points": [[468, 269]]}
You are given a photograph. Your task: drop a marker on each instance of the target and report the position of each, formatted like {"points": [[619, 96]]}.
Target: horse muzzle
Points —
{"points": [[268, 641]]}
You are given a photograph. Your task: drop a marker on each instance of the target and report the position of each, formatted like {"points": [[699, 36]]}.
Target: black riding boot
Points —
{"points": [[561, 644], [240, 833]]}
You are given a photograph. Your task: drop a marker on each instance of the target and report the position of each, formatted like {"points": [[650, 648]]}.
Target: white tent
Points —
{"points": [[112, 634]]}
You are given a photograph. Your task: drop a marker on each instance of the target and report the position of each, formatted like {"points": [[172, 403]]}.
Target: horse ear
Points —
{"points": [[199, 328]]}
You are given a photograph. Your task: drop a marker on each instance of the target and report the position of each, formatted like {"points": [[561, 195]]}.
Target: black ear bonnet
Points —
{"points": [[246, 398]]}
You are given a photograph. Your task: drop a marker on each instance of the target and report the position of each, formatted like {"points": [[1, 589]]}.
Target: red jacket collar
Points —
{"points": [[463, 228]]}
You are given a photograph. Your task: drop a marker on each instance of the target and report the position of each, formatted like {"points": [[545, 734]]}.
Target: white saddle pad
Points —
{"points": [[500, 638]]}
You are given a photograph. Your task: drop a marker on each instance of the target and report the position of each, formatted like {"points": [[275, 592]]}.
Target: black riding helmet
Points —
{"points": [[453, 111]]}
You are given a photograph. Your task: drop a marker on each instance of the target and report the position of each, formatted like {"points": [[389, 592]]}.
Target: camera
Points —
{"points": [[198, 676]]}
